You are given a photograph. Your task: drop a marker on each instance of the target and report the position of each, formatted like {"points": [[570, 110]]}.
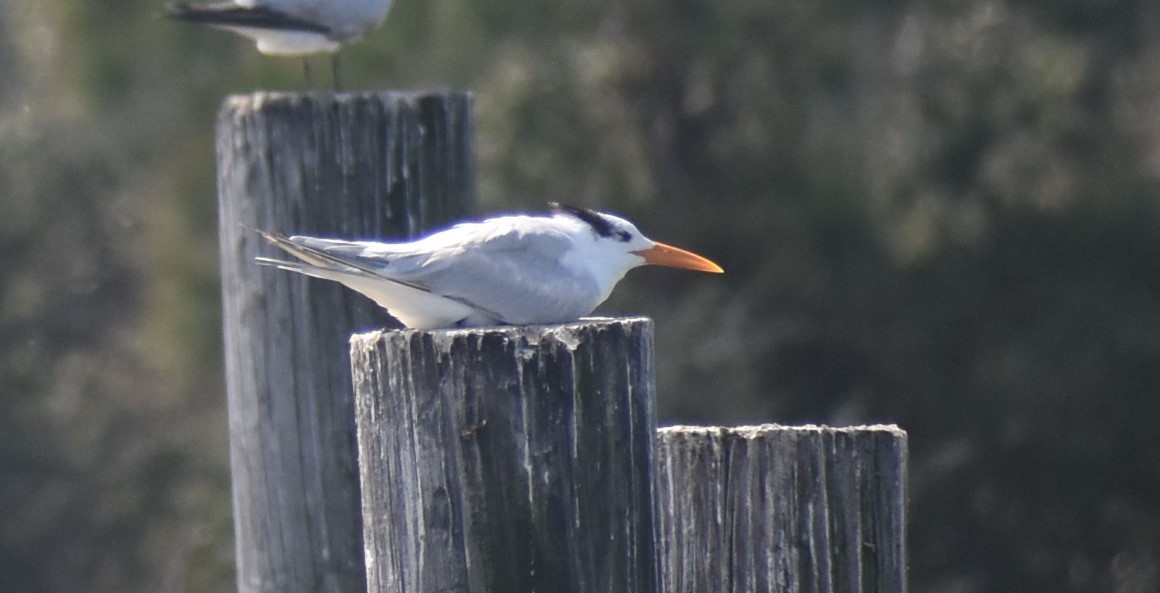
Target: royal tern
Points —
{"points": [[510, 270], [290, 27]]}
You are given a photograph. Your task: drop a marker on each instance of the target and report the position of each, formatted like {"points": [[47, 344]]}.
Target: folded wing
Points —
{"points": [[512, 276]]}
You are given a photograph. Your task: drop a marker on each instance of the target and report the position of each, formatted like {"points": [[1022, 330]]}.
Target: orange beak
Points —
{"points": [[667, 255]]}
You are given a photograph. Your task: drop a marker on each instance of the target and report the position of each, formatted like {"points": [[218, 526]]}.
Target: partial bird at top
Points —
{"points": [[290, 27], [510, 270]]}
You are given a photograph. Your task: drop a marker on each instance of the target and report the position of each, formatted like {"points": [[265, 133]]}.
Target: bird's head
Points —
{"points": [[621, 246]]}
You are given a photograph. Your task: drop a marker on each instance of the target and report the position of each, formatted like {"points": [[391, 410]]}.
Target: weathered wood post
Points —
{"points": [[782, 509], [512, 459], [351, 165]]}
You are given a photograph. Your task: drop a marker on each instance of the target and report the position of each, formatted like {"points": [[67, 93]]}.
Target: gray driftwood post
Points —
{"points": [[352, 165], [782, 509], [512, 459]]}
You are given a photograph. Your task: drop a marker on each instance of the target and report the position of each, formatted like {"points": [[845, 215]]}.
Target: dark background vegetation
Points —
{"points": [[944, 214]]}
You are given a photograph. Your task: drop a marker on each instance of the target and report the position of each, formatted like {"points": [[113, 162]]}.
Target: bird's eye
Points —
{"points": [[623, 236]]}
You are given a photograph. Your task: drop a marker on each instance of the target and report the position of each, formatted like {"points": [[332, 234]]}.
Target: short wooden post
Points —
{"points": [[782, 509], [352, 165], [511, 459]]}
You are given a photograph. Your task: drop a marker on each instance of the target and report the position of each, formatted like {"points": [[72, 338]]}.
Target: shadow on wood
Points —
{"points": [[781, 509], [512, 459], [352, 165]]}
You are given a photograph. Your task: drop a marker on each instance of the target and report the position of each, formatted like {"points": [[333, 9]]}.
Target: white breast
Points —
{"points": [[275, 42]]}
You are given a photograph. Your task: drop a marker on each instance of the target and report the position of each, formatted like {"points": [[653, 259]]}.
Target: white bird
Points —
{"points": [[510, 270], [291, 27]]}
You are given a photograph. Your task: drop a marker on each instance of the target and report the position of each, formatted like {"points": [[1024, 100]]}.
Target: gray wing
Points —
{"points": [[520, 285], [515, 277], [343, 18], [230, 14], [320, 256]]}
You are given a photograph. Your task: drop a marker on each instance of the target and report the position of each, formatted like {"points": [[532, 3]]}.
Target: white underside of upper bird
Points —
{"points": [[510, 270], [274, 42]]}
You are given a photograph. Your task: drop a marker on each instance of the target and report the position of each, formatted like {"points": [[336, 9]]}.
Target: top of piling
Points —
{"points": [[760, 430], [562, 332]]}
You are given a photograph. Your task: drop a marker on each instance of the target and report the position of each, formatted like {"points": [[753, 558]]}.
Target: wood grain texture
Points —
{"points": [[782, 509], [511, 459], [353, 165]]}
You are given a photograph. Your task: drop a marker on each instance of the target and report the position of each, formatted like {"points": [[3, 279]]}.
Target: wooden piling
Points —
{"points": [[512, 459], [782, 509], [369, 165]]}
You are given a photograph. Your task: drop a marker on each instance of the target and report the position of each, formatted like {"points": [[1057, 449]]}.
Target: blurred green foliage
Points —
{"points": [[940, 214]]}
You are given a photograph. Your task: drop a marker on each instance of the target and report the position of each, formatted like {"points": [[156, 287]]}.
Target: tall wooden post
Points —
{"points": [[512, 459], [769, 508], [353, 165]]}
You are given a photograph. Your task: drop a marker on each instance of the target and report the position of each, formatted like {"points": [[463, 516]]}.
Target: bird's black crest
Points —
{"points": [[230, 14], [593, 218]]}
